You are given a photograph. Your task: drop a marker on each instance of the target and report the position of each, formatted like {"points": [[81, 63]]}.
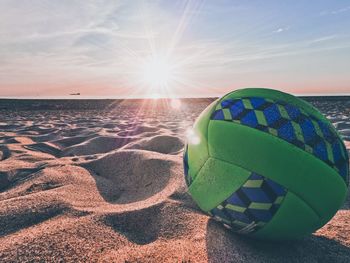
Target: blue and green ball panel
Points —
{"points": [[289, 123], [252, 206]]}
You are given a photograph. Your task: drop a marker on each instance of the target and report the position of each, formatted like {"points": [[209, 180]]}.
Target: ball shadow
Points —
{"points": [[225, 246], [346, 205]]}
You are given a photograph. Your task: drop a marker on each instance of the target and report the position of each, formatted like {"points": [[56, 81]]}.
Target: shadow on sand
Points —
{"points": [[128, 176], [346, 205], [224, 246]]}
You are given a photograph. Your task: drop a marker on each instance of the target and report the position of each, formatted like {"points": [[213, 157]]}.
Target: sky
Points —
{"points": [[172, 48]]}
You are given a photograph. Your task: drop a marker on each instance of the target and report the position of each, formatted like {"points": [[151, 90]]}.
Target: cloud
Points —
{"points": [[335, 12], [323, 39], [281, 29]]}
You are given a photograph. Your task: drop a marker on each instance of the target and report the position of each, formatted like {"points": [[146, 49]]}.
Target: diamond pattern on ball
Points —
{"points": [[252, 206], [289, 123]]}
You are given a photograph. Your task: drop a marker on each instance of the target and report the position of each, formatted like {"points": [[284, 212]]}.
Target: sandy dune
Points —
{"points": [[105, 184]]}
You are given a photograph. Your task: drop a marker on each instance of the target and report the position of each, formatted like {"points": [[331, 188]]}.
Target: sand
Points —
{"points": [[87, 181]]}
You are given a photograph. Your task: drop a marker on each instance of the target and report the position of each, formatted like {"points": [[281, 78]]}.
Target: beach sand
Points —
{"points": [[89, 181]]}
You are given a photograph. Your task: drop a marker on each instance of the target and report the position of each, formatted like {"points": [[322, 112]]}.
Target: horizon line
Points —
{"points": [[82, 97]]}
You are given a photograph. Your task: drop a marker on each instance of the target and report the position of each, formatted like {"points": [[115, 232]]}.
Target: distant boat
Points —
{"points": [[75, 94]]}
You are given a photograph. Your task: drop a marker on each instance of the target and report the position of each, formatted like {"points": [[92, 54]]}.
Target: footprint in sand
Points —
{"points": [[12, 178], [131, 175]]}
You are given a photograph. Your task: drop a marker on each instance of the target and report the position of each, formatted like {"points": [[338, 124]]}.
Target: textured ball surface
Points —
{"points": [[266, 164]]}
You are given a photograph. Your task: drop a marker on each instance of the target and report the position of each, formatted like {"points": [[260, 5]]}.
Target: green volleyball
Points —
{"points": [[266, 164]]}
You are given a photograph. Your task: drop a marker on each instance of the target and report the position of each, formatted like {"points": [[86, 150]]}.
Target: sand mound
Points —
{"points": [[44, 147], [136, 130], [161, 143], [66, 142], [46, 137], [79, 131], [101, 144], [129, 176]]}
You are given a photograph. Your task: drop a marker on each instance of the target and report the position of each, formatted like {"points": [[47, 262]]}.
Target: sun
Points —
{"points": [[157, 72], [157, 75]]}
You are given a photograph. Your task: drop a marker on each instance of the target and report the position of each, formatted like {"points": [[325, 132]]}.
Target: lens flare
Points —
{"points": [[192, 137], [176, 104]]}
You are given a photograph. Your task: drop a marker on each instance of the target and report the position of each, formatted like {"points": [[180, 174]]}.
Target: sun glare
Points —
{"points": [[157, 72], [157, 75], [175, 104]]}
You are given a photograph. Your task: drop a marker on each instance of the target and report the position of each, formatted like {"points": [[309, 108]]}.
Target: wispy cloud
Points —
{"points": [[322, 39], [336, 11]]}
